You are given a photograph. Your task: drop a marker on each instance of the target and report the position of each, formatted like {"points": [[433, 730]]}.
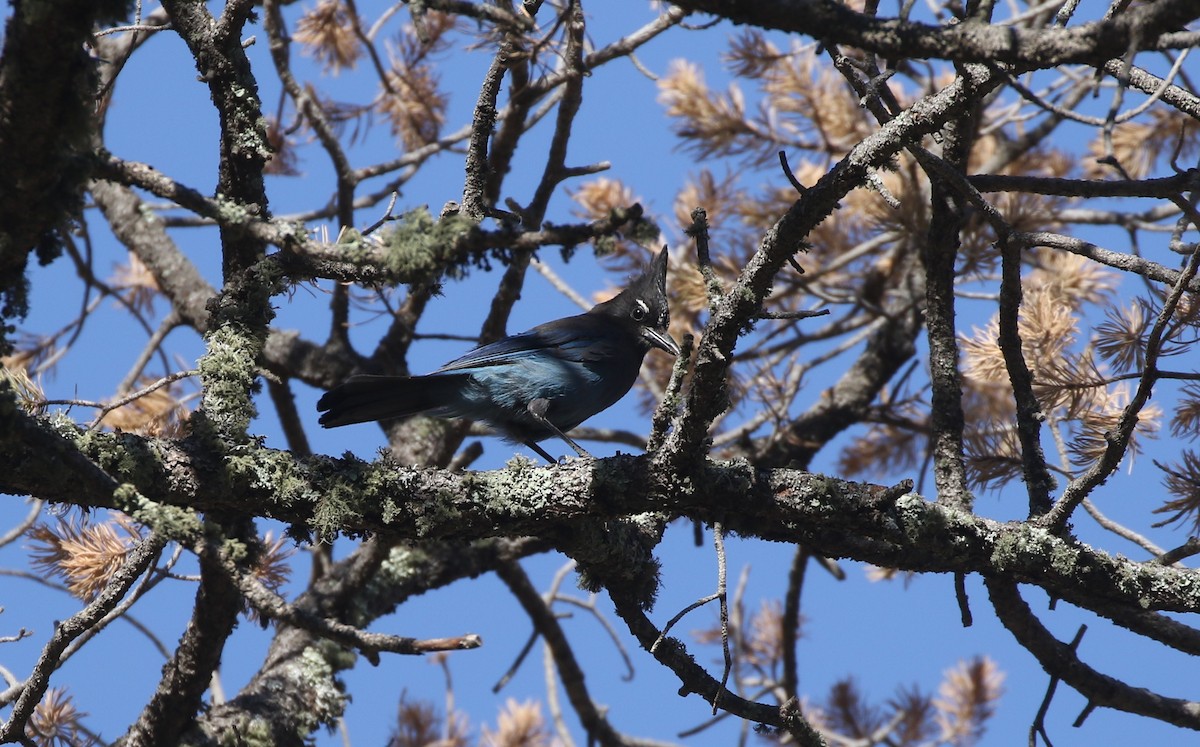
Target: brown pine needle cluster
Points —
{"points": [[284, 160], [418, 724], [713, 124], [956, 717], [86, 555], [138, 286], [845, 711], [1181, 477], [597, 198], [756, 641], [160, 413], [14, 369], [801, 106], [56, 722], [764, 643], [1139, 146], [966, 699], [757, 637], [1182, 481], [887, 448], [411, 98], [1080, 401], [519, 724], [1185, 423], [328, 34], [601, 199], [272, 568]]}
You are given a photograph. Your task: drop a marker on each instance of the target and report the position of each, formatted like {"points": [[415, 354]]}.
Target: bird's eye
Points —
{"points": [[639, 311]]}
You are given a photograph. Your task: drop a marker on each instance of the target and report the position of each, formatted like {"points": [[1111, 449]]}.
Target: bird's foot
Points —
{"points": [[538, 409]]}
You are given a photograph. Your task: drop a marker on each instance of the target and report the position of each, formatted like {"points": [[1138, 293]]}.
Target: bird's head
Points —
{"points": [[643, 306]]}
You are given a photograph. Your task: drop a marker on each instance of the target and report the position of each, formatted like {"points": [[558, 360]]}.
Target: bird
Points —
{"points": [[530, 386]]}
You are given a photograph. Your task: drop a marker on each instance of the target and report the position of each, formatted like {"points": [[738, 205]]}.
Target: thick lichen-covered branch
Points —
{"points": [[1147, 27], [836, 518]]}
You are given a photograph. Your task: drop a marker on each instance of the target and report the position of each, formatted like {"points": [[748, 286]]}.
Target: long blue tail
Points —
{"points": [[364, 398]]}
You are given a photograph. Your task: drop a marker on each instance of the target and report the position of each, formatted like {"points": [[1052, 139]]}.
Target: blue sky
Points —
{"points": [[884, 634]]}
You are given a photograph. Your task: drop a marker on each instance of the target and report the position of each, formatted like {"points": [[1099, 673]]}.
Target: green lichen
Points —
{"points": [[290, 233], [248, 732], [519, 464], [231, 212], [605, 245], [379, 597], [336, 508], [432, 516], [1018, 548], [519, 491], [227, 372], [275, 475], [610, 479], [420, 247], [918, 519], [240, 317], [643, 231], [620, 553], [318, 698], [126, 457], [236, 551], [327, 702], [181, 524], [1063, 558], [400, 565]]}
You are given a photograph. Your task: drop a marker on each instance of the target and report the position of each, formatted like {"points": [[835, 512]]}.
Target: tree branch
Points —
{"points": [[187, 675], [136, 562], [1149, 27], [1061, 661]]}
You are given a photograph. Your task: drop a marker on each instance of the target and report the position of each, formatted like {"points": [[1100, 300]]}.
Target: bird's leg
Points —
{"points": [[537, 408], [533, 445]]}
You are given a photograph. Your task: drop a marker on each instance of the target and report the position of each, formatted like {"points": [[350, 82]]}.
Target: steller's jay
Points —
{"points": [[530, 386]]}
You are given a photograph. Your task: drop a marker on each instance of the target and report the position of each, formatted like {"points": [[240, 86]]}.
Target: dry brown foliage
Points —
{"points": [[85, 555], [327, 32], [161, 412], [56, 722]]}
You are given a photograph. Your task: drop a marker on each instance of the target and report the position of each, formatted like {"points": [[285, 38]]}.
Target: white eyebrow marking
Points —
{"points": [[645, 307]]}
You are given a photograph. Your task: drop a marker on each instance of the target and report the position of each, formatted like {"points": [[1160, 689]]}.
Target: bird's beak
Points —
{"points": [[661, 340]]}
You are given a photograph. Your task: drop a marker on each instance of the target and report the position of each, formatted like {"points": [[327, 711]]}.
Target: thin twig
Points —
{"points": [[140, 558], [719, 546], [272, 606], [790, 621], [1118, 439], [680, 615]]}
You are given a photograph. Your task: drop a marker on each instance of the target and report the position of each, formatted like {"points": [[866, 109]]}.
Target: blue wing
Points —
{"points": [[578, 339], [580, 365]]}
